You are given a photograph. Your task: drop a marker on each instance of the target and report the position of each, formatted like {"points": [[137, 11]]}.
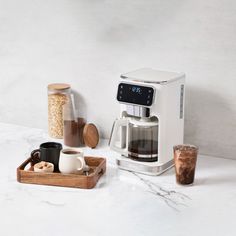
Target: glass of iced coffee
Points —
{"points": [[185, 158]]}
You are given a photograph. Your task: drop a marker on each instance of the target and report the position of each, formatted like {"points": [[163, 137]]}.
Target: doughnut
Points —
{"points": [[44, 166]]}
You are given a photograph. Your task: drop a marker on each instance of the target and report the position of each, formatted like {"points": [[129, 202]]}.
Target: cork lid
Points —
{"points": [[90, 135], [58, 86]]}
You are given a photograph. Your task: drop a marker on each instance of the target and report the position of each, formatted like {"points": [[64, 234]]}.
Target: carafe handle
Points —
{"points": [[117, 124]]}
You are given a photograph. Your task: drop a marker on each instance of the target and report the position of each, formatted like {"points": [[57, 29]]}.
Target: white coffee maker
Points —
{"points": [[151, 120]]}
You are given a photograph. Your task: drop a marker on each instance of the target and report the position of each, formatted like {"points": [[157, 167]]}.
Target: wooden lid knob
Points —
{"points": [[90, 135]]}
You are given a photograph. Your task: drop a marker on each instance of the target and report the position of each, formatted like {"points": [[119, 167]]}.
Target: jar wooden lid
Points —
{"points": [[58, 86], [90, 135]]}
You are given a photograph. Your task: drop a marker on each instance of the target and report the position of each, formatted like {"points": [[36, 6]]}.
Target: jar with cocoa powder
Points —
{"points": [[76, 132], [58, 95]]}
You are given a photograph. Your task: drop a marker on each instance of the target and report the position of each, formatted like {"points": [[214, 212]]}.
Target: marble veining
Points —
{"points": [[53, 203], [172, 198]]}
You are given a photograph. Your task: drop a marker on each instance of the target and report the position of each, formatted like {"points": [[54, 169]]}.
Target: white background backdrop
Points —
{"points": [[90, 43]]}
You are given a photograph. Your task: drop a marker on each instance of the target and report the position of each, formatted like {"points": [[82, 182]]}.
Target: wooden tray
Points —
{"points": [[97, 169]]}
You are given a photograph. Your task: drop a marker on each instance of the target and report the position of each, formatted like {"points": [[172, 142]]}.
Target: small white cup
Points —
{"points": [[72, 161]]}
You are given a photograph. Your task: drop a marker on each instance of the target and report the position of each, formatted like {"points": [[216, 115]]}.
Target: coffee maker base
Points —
{"points": [[148, 168]]}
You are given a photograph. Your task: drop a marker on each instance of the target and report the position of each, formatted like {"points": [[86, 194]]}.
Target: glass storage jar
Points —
{"points": [[73, 126], [58, 95]]}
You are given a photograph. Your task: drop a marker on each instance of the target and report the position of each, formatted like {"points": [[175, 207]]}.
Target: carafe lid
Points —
{"points": [[144, 122], [58, 86]]}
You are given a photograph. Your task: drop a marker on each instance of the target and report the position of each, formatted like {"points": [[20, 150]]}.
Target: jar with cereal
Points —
{"points": [[58, 95]]}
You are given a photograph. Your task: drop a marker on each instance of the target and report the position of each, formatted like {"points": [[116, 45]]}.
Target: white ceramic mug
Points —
{"points": [[72, 161]]}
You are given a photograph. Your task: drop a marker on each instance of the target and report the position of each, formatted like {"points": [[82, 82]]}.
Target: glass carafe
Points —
{"points": [[141, 138]]}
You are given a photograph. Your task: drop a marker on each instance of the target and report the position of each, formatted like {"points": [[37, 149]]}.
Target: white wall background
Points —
{"points": [[90, 43]]}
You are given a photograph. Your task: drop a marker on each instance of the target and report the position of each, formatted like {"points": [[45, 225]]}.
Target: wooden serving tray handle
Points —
{"points": [[31, 160], [22, 167], [25, 163]]}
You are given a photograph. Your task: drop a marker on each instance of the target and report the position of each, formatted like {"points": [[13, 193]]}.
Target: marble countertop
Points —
{"points": [[122, 203]]}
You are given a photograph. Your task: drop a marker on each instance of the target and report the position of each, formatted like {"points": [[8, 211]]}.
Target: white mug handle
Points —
{"points": [[116, 126], [82, 163]]}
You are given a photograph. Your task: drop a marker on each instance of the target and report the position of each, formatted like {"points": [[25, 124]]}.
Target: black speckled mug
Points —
{"points": [[49, 152]]}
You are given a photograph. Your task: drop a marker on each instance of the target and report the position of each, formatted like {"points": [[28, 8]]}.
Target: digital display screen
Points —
{"points": [[135, 94], [136, 89]]}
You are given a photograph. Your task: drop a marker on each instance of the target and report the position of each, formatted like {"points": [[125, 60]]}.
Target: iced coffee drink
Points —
{"points": [[185, 158]]}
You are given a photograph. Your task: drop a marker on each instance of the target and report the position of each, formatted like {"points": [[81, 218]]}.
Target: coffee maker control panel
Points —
{"points": [[135, 94]]}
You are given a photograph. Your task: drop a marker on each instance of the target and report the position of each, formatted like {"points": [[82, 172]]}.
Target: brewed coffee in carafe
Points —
{"points": [[143, 140]]}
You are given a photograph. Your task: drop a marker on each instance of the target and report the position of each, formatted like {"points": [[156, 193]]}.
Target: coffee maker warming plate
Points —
{"points": [[148, 168]]}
